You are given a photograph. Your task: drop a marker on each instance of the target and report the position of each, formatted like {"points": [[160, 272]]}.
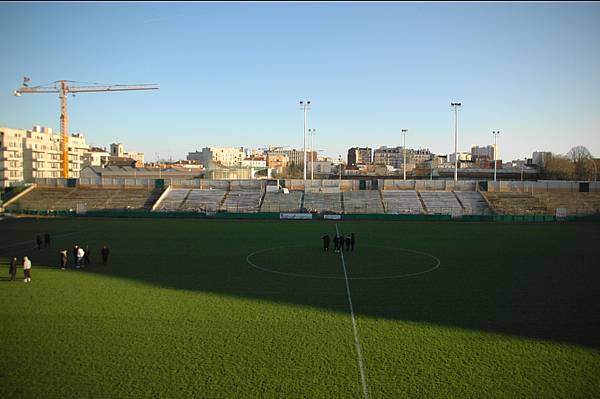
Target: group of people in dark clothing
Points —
{"points": [[339, 242], [81, 258], [46, 241]]}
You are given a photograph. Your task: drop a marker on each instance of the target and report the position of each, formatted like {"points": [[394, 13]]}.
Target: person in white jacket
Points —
{"points": [[27, 269], [80, 254]]}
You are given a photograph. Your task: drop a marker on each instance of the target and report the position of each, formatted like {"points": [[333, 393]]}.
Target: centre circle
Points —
{"points": [[367, 262]]}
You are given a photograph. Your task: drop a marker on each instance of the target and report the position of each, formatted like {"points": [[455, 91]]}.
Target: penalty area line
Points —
{"points": [[356, 339]]}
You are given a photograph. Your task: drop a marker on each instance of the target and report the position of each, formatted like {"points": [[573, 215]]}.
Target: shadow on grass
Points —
{"points": [[533, 281]]}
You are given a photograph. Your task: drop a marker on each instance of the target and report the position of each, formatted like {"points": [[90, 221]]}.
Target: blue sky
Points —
{"points": [[231, 74]]}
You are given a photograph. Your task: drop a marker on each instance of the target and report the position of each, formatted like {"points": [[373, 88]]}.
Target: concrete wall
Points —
{"points": [[543, 186], [430, 185], [461, 185], [389, 184], [334, 185]]}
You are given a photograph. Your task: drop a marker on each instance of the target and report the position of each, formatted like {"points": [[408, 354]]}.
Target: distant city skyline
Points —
{"points": [[232, 74]]}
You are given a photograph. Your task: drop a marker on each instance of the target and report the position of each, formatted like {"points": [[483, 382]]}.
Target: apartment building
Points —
{"points": [[485, 153], [226, 156], [118, 150], [462, 156], [359, 156], [11, 156], [394, 156], [96, 157], [276, 161], [29, 154], [254, 162], [295, 157]]}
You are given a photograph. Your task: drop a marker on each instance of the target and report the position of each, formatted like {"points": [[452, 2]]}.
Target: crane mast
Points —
{"points": [[63, 88], [64, 129]]}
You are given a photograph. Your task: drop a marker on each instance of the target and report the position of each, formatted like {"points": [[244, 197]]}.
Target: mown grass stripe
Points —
{"points": [[356, 339]]}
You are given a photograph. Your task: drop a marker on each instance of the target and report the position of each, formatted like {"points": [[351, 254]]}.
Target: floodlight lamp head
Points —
{"points": [[308, 103]]}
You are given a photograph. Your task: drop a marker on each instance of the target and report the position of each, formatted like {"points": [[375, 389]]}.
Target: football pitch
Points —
{"points": [[226, 308]]}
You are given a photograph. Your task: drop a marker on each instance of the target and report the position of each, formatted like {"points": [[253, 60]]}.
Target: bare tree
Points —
{"points": [[582, 159], [558, 167], [579, 154]]}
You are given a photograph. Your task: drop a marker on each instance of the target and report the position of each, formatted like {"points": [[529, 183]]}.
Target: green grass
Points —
{"points": [[512, 311]]}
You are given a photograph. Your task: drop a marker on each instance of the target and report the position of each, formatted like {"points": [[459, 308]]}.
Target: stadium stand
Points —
{"points": [[174, 199], [402, 201], [88, 198], [280, 202], [575, 203], [516, 203], [203, 200], [186, 199], [242, 200], [441, 202], [366, 201], [473, 203], [323, 202]]}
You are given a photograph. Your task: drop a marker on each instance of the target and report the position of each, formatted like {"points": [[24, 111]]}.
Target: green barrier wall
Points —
{"points": [[385, 216], [275, 216]]}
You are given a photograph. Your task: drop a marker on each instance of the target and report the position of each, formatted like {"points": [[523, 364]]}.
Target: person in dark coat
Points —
{"points": [[336, 244], [86, 256], [63, 259], [347, 242], [105, 251], [12, 269], [326, 241], [352, 241], [75, 250], [38, 239], [46, 240]]}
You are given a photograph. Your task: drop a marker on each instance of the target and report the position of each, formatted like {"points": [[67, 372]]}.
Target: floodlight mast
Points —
{"points": [[456, 107], [305, 106], [496, 133], [312, 133], [404, 131]]}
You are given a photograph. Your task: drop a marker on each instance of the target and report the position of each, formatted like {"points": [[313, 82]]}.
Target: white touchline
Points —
{"points": [[356, 340]]}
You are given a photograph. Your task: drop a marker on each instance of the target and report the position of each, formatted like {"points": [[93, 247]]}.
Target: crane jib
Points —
{"points": [[63, 88]]}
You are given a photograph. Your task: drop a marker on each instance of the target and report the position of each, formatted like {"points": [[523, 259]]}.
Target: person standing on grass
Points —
{"points": [[63, 259], [12, 269], [86, 255], [336, 244], [347, 242], [352, 241], [326, 241], [104, 253], [27, 269], [38, 239], [46, 240], [80, 255], [75, 249]]}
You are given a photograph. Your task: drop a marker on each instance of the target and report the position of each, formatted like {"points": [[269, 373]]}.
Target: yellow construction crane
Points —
{"points": [[64, 87]]}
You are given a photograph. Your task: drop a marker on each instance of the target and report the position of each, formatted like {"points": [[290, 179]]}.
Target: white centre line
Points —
{"points": [[356, 340]]}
